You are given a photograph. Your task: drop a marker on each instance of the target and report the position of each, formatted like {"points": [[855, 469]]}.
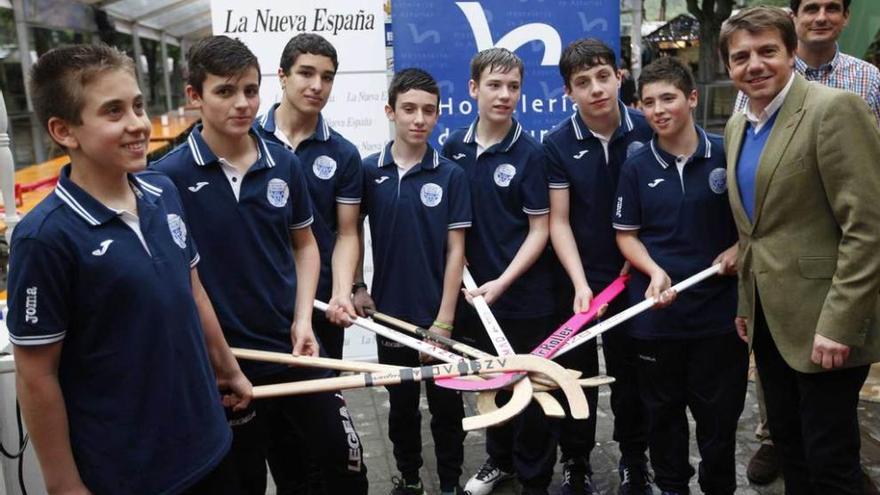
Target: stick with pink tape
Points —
{"points": [[552, 344], [634, 310]]}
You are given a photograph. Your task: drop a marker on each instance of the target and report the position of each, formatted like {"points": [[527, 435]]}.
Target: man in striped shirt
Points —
{"points": [[819, 24]]}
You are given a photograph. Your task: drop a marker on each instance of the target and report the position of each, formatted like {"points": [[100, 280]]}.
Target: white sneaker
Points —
{"points": [[486, 478]]}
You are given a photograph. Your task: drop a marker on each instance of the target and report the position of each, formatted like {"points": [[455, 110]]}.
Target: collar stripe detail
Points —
{"points": [[470, 136], [629, 122], [269, 159], [381, 161], [577, 128], [658, 157], [194, 148], [155, 191], [326, 128], [74, 205], [436, 159], [515, 137]]}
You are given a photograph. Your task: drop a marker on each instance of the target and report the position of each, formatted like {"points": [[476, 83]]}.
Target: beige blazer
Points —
{"points": [[813, 249]]}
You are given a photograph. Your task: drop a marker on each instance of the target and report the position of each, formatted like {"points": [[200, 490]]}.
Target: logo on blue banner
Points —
{"points": [[442, 36]]}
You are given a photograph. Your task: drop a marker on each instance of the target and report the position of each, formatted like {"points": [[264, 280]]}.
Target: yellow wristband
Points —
{"points": [[443, 326]]}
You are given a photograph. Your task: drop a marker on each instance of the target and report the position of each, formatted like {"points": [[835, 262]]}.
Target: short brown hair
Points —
{"points": [[669, 70], [755, 20], [59, 76], [493, 59]]}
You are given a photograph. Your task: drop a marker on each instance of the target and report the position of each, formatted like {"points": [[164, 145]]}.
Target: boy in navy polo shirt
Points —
{"points": [[250, 212], [584, 154], [332, 167], [105, 302], [418, 206], [673, 220], [507, 254]]}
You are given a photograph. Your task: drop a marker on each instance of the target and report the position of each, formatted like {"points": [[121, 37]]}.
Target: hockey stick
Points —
{"points": [[552, 408], [530, 364], [519, 401], [540, 384], [634, 310], [556, 340]]}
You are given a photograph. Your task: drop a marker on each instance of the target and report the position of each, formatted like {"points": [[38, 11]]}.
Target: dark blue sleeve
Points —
{"points": [[460, 215], [557, 176], [349, 187], [300, 202], [533, 188], [627, 213], [40, 292]]}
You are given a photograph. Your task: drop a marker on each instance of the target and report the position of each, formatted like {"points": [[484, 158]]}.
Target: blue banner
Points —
{"points": [[441, 36]]}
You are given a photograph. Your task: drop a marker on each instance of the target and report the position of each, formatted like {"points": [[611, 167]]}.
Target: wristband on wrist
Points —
{"points": [[443, 326], [357, 285]]}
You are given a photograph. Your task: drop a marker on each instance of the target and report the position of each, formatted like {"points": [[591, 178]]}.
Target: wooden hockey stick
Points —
{"points": [[594, 331], [540, 384], [519, 400], [530, 364], [512, 407], [548, 403], [557, 339]]}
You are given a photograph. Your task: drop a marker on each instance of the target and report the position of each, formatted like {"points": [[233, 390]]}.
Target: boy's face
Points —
{"points": [[228, 103], [414, 116], [497, 94], [308, 84], [595, 91], [115, 129], [667, 108]]}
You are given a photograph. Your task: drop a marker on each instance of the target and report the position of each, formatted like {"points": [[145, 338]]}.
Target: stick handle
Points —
{"points": [[496, 334], [315, 362], [634, 310], [412, 343], [429, 335]]}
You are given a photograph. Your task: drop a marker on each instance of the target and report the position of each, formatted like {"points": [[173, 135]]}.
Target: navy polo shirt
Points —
{"points": [[684, 221], [142, 402], [576, 161], [410, 217], [332, 168], [508, 184], [247, 263]]}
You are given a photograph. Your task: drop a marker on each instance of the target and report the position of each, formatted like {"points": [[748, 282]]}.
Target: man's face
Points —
{"points": [[307, 85], [414, 116], [760, 65], [595, 90], [228, 103], [820, 22], [497, 94]]}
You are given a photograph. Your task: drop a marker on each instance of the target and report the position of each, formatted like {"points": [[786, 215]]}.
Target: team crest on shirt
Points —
{"points": [[504, 174], [718, 180], [431, 194], [633, 147], [178, 230], [277, 193], [324, 167]]}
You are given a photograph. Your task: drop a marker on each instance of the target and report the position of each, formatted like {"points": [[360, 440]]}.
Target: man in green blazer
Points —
{"points": [[804, 178]]}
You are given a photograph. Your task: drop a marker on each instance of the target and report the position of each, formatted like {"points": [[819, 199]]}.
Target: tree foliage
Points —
{"points": [[711, 14]]}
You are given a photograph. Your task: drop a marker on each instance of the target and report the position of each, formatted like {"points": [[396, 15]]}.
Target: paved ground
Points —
{"points": [[369, 407]]}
